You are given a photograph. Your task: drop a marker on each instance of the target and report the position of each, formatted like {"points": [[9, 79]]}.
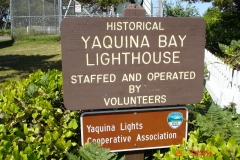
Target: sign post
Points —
{"points": [[133, 10]]}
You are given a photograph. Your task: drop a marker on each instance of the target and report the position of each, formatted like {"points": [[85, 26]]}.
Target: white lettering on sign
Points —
{"points": [[134, 88], [134, 26], [134, 77], [93, 78], [162, 76], [157, 136], [99, 129], [116, 139], [131, 126], [135, 100], [126, 58], [164, 42], [108, 42]]}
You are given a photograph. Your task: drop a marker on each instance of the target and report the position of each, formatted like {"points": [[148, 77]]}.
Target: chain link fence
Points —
{"points": [[45, 16], [35, 16]]}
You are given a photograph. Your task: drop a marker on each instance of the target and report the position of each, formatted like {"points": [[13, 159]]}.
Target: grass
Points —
{"points": [[19, 59]]}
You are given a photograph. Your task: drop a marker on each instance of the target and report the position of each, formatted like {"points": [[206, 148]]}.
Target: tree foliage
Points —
{"points": [[223, 5], [4, 4], [232, 53], [227, 5], [221, 27], [222, 23], [177, 10], [194, 1]]}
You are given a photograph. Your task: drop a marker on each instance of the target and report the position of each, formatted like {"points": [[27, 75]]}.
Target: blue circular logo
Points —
{"points": [[175, 119]]}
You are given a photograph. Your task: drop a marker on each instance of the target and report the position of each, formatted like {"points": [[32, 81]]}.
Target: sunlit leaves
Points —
{"points": [[34, 124]]}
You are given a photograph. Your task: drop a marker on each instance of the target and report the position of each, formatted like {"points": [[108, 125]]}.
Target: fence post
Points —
{"points": [[44, 23], [134, 10], [59, 14], [236, 83], [11, 19], [29, 16]]}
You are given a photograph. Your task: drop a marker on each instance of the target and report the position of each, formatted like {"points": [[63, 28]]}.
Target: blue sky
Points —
{"points": [[202, 7]]}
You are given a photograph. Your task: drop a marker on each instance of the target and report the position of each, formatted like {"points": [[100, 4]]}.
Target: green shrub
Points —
{"points": [[215, 148], [232, 53], [195, 109], [218, 121], [33, 121], [93, 151]]}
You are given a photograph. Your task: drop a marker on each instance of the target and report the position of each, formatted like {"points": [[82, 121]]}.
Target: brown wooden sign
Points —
{"points": [[132, 62], [128, 130]]}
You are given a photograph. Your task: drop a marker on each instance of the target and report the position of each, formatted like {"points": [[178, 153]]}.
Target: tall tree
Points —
{"points": [[223, 5], [221, 27], [193, 1], [222, 23], [228, 5], [178, 10], [4, 3]]}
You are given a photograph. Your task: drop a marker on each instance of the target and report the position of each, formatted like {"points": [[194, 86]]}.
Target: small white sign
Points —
{"points": [[78, 8]]}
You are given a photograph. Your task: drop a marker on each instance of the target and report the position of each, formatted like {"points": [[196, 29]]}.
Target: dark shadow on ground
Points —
{"points": [[6, 43], [24, 65]]}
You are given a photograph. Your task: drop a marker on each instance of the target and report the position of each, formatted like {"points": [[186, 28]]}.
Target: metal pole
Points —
{"points": [[160, 8], [60, 13], [70, 1], [55, 16], [11, 19], [74, 12], [29, 18], [44, 23]]}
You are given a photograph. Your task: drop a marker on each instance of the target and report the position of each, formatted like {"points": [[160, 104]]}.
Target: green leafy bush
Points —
{"points": [[93, 151], [232, 53], [199, 108], [224, 122], [215, 148], [33, 121]]}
